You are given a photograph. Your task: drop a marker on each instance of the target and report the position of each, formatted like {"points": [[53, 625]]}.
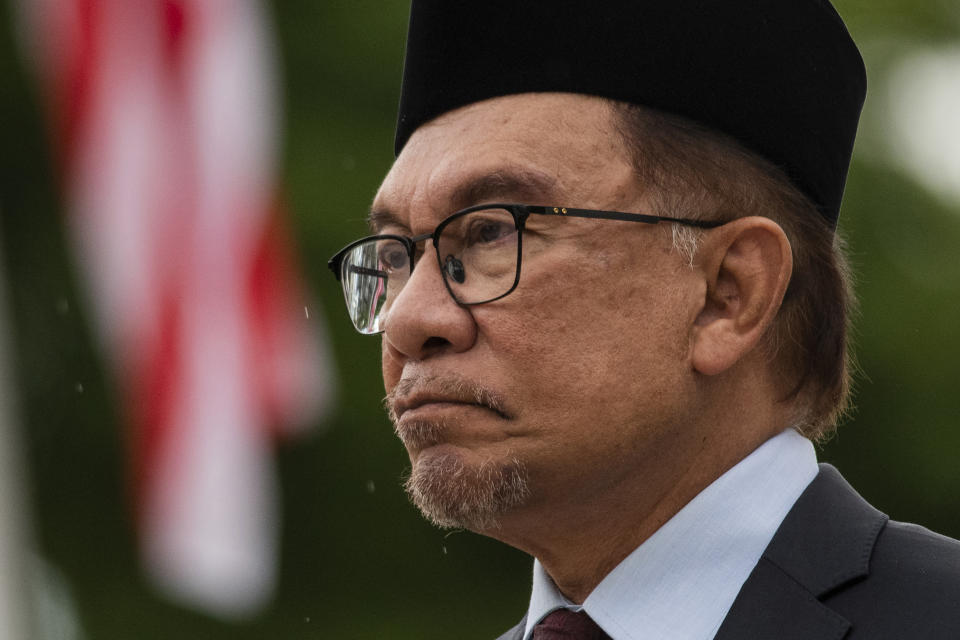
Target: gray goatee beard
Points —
{"points": [[453, 495], [448, 491]]}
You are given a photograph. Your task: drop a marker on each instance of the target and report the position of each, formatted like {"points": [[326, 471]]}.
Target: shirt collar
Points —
{"points": [[681, 581]]}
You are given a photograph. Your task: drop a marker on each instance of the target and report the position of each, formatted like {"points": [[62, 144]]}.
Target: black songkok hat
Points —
{"points": [[782, 77]]}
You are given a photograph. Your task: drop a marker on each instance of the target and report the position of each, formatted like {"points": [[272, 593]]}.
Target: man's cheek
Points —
{"points": [[391, 369]]}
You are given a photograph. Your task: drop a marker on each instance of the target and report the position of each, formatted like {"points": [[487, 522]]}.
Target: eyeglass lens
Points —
{"points": [[478, 254]]}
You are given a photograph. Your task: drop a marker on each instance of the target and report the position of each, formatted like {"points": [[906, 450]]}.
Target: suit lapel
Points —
{"points": [[772, 605], [824, 543]]}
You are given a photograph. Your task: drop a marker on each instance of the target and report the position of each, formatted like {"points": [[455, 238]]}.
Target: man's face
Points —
{"points": [[579, 380]]}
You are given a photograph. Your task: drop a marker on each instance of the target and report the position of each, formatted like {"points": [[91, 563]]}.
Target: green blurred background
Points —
{"points": [[357, 560]]}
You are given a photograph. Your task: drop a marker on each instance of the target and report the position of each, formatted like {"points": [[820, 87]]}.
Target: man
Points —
{"points": [[630, 318]]}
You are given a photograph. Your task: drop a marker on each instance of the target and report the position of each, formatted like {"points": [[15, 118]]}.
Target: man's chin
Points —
{"points": [[456, 493]]}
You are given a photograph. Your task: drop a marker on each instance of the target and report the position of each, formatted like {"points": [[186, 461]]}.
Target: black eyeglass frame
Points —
{"points": [[520, 213]]}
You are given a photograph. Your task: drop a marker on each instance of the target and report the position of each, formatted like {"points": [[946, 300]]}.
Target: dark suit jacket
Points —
{"points": [[838, 568]]}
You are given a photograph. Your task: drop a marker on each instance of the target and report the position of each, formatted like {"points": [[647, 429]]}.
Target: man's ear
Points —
{"points": [[747, 264]]}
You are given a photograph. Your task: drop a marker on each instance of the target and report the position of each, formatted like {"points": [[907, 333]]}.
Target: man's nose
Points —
{"points": [[424, 319]]}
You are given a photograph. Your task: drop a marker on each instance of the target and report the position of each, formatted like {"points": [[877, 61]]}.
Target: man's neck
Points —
{"points": [[580, 540]]}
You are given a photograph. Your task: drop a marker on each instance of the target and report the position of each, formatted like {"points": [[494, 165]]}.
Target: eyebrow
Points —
{"points": [[520, 183]]}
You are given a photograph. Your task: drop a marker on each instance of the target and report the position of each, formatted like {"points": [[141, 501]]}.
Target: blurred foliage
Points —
{"points": [[357, 561]]}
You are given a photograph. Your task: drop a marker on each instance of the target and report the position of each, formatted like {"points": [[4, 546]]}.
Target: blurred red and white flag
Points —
{"points": [[165, 117]]}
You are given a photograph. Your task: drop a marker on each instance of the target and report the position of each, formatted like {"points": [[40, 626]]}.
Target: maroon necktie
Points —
{"points": [[564, 624]]}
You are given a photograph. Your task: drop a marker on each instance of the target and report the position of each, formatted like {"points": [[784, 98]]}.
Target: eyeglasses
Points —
{"points": [[479, 251]]}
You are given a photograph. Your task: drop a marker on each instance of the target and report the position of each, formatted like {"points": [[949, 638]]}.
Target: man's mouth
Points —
{"points": [[428, 400], [425, 408], [414, 393]]}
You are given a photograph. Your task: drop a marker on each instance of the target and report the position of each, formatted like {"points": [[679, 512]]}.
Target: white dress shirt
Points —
{"points": [[680, 583]]}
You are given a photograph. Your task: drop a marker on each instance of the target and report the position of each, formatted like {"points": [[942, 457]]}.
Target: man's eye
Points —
{"points": [[487, 231], [393, 259]]}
